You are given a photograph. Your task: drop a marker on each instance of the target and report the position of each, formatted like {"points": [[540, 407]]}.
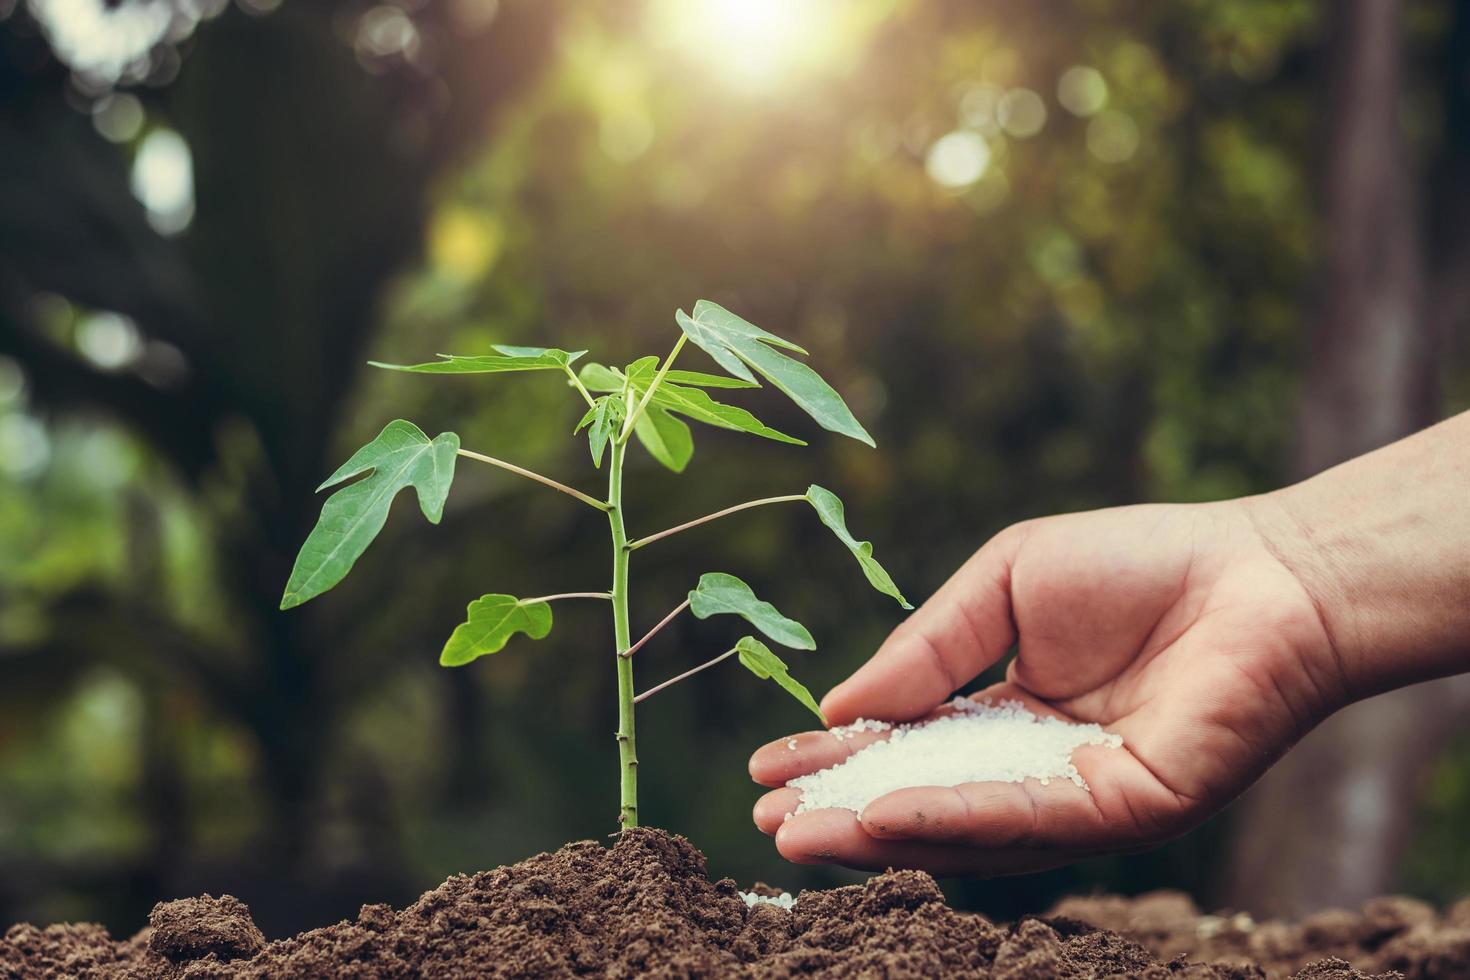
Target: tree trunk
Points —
{"points": [[1328, 825]]}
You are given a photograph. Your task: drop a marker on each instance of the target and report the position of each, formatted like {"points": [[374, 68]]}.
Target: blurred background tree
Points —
{"points": [[1058, 255]]}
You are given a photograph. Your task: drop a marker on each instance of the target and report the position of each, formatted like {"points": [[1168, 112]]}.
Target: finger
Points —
{"points": [[772, 809], [778, 762], [836, 837], [992, 815], [964, 628]]}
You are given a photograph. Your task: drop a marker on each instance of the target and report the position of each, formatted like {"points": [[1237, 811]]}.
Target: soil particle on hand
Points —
{"points": [[645, 907]]}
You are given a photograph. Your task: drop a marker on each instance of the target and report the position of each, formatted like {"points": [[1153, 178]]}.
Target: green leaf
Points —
{"points": [[698, 405], [605, 418], [600, 377], [760, 661], [492, 620], [738, 346], [642, 370], [560, 356], [667, 439], [831, 511], [702, 380], [401, 456], [506, 358], [718, 593]]}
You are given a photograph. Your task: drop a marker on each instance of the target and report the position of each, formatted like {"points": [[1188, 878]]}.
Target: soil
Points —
{"points": [[646, 908]]}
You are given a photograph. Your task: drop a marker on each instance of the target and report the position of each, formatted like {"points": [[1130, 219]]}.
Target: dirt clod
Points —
{"points": [[645, 907], [193, 928]]}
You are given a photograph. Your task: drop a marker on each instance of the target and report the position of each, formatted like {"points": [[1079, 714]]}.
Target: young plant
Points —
{"points": [[648, 401]]}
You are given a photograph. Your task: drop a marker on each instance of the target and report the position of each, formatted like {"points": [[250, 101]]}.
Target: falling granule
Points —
{"points": [[980, 742]]}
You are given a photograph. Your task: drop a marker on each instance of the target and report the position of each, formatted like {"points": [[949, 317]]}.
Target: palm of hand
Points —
{"points": [[1174, 627]]}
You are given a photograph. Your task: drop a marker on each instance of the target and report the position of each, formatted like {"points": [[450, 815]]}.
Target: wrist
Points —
{"points": [[1381, 545], [1281, 520]]}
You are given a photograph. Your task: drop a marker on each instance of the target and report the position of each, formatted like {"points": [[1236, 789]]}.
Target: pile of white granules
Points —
{"points": [[783, 900], [980, 742]]}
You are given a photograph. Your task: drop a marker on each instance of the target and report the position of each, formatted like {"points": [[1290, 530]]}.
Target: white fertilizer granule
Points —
{"points": [[784, 900], [980, 742], [844, 732]]}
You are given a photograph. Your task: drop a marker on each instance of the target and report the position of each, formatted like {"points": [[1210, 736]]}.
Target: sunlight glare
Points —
{"points": [[751, 43]]}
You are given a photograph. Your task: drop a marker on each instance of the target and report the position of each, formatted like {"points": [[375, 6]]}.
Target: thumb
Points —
{"points": [[964, 628]]}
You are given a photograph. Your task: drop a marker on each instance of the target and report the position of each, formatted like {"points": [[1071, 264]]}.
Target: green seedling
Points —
{"points": [[648, 401]]}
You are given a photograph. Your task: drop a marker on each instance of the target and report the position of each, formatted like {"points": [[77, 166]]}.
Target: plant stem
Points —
{"points": [[577, 383], [688, 673], [652, 387], [544, 480], [566, 595], [653, 632], [789, 498], [627, 733]]}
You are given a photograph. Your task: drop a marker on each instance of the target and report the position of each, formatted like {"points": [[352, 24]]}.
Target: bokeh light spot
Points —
{"points": [[979, 106], [12, 382], [385, 31], [1082, 91], [1021, 112], [24, 446], [958, 159], [103, 39], [119, 117], [1113, 137], [109, 340], [464, 244], [163, 179]]}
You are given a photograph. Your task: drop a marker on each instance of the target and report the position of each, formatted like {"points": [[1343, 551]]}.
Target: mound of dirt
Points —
{"points": [[1386, 935], [646, 908]]}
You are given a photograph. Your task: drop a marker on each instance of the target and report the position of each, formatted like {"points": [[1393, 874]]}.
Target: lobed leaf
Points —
{"points": [[505, 358], [490, 623], [666, 438], [832, 513], [718, 593], [698, 405], [401, 456], [760, 661], [605, 417], [739, 346]]}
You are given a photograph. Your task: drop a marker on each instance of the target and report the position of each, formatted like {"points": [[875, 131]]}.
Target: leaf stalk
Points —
{"points": [[652, 387], [686, 675], [650, 539], [653, 632], [581, 388], [566, 595], [543, 480]]}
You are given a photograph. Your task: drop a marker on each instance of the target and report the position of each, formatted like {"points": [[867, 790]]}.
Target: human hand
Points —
{"points": [[1181, 628]]}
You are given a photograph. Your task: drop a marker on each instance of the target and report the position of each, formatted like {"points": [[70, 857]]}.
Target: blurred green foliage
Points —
{"points": [[1041, 289]]}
